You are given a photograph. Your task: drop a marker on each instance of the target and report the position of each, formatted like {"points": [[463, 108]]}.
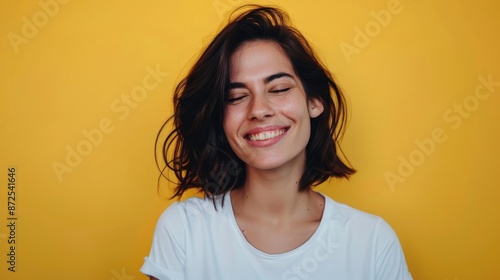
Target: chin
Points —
{"points": [[270, 164], [260, 164]]}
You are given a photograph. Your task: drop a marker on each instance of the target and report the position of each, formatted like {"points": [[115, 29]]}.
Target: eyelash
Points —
{"points": [[280, 90], [232, 100]]}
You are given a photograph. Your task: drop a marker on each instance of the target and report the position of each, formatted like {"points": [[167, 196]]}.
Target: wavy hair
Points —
{"points": [[197, 151]]}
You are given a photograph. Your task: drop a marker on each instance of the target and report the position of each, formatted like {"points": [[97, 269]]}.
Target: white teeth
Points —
{"points": [[266, 135]]}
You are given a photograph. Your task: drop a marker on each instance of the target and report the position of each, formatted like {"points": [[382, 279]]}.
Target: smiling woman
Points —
{"points": [[268, 115], [256, 125]]}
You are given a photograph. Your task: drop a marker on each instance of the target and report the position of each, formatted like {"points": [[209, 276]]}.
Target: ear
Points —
{"points": [[315, 107]]}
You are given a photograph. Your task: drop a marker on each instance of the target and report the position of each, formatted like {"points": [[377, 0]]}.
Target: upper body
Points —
{"points": [[257, 123], [192, 240]]}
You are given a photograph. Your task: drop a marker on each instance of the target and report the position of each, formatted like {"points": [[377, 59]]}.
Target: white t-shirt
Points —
{"points": [[194, 241]]}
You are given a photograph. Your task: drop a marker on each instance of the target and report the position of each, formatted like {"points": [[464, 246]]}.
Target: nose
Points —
{"points": [[260, 107]]}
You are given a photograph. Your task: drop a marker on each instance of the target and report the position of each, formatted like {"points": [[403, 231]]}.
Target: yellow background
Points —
{"points": [[96, 222]]}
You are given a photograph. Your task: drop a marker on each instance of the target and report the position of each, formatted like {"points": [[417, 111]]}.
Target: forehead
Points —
{"points": [[257, 59]]}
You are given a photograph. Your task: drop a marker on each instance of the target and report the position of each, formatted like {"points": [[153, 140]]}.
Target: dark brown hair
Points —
{"points": [[201, 157]]}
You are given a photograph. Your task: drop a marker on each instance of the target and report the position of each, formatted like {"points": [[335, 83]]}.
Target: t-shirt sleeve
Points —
{"points": [[167, 256], [390, 262]]}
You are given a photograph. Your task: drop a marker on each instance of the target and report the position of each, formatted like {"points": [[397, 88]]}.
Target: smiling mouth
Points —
{"points": [[266, 135]]}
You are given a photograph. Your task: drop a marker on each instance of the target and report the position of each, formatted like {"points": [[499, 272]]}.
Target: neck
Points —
{"points": [[274, 195]]}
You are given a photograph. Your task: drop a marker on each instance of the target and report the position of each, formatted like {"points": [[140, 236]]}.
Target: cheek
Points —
{"points": [[225, 125], [229, 121], [296, 108]]}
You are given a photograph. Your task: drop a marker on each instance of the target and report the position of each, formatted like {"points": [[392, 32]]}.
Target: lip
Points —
{"points": [[268, 142]]}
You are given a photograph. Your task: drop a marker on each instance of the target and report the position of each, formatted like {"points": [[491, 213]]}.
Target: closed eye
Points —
{"points": [[234, 99], [279, 90]]}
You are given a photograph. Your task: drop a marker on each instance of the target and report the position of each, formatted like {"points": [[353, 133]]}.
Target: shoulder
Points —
{"points": [[191, 210], [196, 207], [369, 237], [345, 212], [357, 220]]}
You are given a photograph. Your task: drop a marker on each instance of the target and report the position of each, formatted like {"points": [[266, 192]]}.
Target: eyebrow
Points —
{"points": [[267, 80]]}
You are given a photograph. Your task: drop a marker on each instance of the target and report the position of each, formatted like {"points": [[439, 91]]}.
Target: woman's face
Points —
{"points": [[267, 115]]}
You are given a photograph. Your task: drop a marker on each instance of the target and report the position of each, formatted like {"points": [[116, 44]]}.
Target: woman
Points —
{"points": [[256, 126]]}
